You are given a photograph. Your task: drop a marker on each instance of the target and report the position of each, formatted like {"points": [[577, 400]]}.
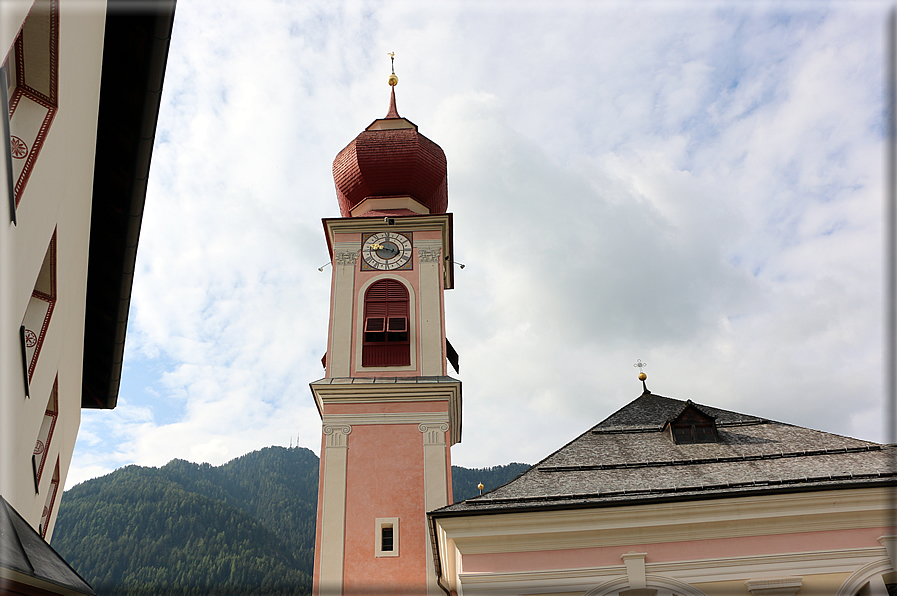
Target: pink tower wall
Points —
{"points": [[384, 478], [385, 463]]}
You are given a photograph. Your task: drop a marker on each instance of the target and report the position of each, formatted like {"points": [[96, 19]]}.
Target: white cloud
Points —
{"points": [[694, 185]]}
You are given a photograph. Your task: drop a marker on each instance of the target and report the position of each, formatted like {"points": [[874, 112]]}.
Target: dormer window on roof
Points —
{"points": [[692, 425]]}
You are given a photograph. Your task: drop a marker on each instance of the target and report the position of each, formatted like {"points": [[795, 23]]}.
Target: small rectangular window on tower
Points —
{"points": [[386, 537]]}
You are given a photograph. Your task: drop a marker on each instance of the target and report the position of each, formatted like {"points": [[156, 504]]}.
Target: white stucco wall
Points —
{"points": [[57, 197]]}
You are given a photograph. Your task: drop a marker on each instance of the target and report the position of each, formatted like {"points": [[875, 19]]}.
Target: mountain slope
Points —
{"points": [[245, 527]]}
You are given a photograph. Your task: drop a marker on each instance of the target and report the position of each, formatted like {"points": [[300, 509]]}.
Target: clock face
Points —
{"points": [[385, 251]]}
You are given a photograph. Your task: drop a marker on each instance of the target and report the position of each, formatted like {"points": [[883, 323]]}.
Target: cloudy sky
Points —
{"points": [[696, 185]]}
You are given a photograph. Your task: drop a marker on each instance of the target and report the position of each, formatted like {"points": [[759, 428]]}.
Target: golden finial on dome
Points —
{"points": [[641, 373], [393, 79]]}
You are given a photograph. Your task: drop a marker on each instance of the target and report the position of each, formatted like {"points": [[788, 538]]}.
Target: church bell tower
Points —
{"points": [[389, 412]]}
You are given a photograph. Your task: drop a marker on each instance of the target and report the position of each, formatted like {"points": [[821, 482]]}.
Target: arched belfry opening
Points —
{"points": [[386, 337]]}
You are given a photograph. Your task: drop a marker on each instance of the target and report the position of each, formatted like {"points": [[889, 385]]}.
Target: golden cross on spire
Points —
{"points": [[641, 373]]}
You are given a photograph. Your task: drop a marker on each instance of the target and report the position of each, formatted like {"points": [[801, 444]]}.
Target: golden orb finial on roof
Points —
{"points": [[641, 373], [393, 79]]}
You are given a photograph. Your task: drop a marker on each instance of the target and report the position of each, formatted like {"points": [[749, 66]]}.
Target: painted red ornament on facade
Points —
{"points": [[30, 338], [19, 148]]}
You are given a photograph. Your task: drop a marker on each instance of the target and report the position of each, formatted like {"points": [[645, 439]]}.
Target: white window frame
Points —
{"points": [[379, 524]]}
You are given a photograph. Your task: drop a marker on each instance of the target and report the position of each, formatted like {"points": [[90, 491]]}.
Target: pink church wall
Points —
{"points": [[674, 551], [386, 477]]}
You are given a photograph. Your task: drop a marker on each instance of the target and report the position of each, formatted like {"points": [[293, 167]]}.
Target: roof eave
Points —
{"points": [[135, 54], [676, 498]]}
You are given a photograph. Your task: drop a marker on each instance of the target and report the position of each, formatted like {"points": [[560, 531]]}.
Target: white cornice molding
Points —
{"points": [[416, 418], [595, 580], [342, 225], [382, 203], [430, 244], [581, 580], [689, 572], [364, 392], [369, 391], [668, 522], [890, 544], [738, 568], [339, 247]]}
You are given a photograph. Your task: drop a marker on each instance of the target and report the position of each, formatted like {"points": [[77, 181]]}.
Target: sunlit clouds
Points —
{"points": [[698, 185]]}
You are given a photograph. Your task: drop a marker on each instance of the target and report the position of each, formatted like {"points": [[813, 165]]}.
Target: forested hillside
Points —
{"points": [[246, 527], [465, 480]]}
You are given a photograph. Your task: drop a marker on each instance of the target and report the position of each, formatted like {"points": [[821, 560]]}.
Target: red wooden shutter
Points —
{"points": [[386, 337]]}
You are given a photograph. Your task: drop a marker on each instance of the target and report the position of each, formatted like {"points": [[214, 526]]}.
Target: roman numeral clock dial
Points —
{"points": [[386, 251]]}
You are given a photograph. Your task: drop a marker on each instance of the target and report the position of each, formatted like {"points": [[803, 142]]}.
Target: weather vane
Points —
{"points": [[393, 79]]}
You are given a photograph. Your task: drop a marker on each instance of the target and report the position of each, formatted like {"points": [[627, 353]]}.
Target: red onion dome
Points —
{"points": [[387, 163]]}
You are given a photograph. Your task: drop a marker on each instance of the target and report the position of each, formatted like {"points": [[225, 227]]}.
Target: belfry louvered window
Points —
{"points": [[386, 336]]}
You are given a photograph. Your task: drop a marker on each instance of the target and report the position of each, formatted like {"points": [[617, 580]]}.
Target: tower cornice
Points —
{"points": [[404, 223], [394, 389]]}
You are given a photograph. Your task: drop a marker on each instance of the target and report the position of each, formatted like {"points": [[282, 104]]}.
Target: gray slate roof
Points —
{"points": [[627, 458], [23, 550]]}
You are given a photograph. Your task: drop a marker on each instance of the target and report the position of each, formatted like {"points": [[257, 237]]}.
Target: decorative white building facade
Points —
{"points": [[80, 89]]}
